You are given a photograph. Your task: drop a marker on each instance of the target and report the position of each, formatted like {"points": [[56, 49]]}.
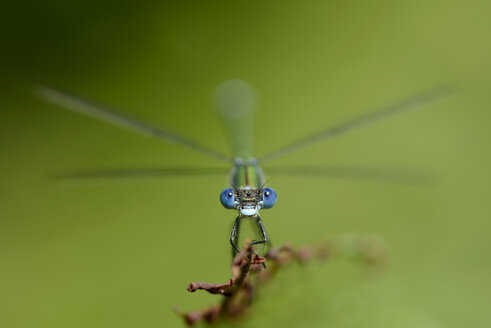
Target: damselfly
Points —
{"points": [[247, 193]]}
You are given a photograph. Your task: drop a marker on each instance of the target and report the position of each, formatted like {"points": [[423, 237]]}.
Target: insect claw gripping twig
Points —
{"points": [[239, 290]]}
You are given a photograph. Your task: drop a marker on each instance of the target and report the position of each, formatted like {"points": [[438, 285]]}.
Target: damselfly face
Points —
{"points": [[248, 200]]}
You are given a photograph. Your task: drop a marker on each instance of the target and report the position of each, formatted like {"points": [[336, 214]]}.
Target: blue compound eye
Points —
{"points": [[269, 198], [227, 198]]}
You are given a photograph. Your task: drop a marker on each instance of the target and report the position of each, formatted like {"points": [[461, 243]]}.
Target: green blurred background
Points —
{"points": [[119, 254]]}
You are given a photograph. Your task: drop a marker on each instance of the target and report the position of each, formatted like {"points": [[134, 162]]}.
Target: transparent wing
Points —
{"points": [[354, 173], [413, 102], [137, 173], [86, 107], [323, 171]]}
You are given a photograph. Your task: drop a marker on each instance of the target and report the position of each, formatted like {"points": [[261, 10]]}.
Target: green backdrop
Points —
{"points": [[120, 253]]}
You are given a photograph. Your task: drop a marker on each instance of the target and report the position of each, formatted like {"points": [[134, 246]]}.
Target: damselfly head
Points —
{"points": [[248, 200]]}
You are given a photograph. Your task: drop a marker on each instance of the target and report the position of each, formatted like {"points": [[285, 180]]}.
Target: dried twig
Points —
{"points": [[238, 291], [240, 268]]}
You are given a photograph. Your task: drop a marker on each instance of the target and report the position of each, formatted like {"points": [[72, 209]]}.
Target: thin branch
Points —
{"points": [[240, 268], [239, 290]]}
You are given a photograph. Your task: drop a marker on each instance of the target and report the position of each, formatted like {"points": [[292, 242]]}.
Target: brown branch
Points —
{"points": [[240, 268], [238, 291]]}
